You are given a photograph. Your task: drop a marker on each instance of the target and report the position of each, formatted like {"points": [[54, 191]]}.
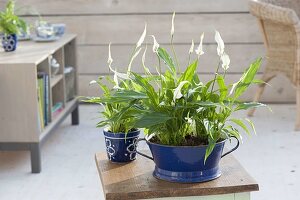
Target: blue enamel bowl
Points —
{"points": [[185, 164], [121, 147]]}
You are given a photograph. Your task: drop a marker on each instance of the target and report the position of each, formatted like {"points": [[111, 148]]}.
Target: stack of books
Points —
{"points": [[43, 99], [57, 108]]}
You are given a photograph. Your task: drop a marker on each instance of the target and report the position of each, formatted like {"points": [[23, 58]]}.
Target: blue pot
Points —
{"points": [[185, 164], [9, 42], [121, 147]]}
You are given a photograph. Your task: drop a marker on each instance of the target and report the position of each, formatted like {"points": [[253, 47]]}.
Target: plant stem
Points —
{"points": [[215, 77], [132, 54], [159, 68], [224, 74], [176, 60], [189, 59]]}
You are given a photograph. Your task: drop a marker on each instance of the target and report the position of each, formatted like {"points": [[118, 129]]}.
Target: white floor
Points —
{"points": [[69, 171]]}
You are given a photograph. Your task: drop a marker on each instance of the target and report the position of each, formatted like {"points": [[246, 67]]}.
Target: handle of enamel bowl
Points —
{"points": [[142, 154], [233, 149]]}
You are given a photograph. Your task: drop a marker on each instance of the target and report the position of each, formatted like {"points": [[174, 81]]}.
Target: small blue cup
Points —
{"points": [[9, 42], [121, 147]]}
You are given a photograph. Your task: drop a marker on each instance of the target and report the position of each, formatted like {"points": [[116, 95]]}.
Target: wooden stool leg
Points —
{"points": [[297, 127], [259, 92]]}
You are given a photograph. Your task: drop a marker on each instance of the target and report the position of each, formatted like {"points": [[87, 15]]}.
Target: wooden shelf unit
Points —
{"points": [[19, 116]]}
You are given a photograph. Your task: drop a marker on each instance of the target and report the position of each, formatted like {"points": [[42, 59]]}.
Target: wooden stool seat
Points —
{"points": [[135, 181]]}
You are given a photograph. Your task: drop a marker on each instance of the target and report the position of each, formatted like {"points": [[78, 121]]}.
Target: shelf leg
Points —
{"points": [[75, 116], [35, 154]]}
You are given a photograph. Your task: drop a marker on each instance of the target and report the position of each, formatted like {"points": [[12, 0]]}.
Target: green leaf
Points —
{"points": [[222, 87], [233, 132], [209, 149], [129, 94], [152, 119], [241, 124], [149, 90], [208, 104], [247, 105], [163, 54], [251, 124], [246, 79], [258, 81], [169, 80], [189, 73]]}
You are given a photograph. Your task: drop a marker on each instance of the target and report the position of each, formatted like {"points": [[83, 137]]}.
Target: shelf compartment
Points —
{"points": [[70, 106], [55, 79]]}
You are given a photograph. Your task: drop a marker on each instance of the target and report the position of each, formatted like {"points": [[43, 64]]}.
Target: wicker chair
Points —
{"points": [[280, 26]]}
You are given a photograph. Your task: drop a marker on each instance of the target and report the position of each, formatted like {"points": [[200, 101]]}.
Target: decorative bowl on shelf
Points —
{"points": [[54, 66], [45, 32], [59, 29]]}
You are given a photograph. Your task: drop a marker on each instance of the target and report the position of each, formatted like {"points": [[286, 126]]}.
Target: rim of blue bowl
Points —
{"points": [[132, 134], [163, 145]]}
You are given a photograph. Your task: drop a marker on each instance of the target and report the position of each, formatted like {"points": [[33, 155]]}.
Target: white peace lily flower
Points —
{"points": [[143, 61], [225, 61], [133, 57], [93, 82], [142, 38], [109, 60], [121, 75], [192, 47], [116, 86], [172, 28], [220, 42], [177, 91], [199, 109], [199, 51], [189, 120], [118, 74], [155, 44]]}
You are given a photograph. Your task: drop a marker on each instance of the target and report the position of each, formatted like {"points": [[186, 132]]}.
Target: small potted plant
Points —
{"points": [[10, 26], [118, 116], [187, 121]]}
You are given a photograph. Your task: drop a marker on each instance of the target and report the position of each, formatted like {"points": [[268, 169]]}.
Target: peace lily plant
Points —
{"points": [[178, 108]]}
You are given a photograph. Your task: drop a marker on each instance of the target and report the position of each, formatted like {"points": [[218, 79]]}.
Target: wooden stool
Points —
{"points": [[135, 181]]}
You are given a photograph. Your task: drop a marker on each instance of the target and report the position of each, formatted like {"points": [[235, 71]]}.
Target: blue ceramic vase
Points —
{"points": [[185, 164], [9, 42], [121, 147]]}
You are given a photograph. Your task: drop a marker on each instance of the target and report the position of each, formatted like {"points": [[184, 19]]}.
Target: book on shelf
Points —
{"points": [[43, 96], [40, 107], [57, 108]]}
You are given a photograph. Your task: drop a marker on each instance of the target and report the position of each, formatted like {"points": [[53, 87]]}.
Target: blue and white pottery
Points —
{"points": [[9, 42], [185, 164], [45, 32], [121, 147], [59, 29]]}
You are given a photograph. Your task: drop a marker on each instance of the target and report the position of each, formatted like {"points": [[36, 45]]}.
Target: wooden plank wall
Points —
{"points": [[98, 22]]}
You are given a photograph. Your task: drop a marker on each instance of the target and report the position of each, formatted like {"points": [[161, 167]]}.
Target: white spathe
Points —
{"points": [[155, 44], [172, 28], [142, 38], [177, 91], [225, 61], [199, 51], [220, 42], [192, 47]]}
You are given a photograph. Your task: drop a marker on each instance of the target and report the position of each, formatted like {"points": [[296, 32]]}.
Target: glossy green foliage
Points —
{"points": [[10, 23]]}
